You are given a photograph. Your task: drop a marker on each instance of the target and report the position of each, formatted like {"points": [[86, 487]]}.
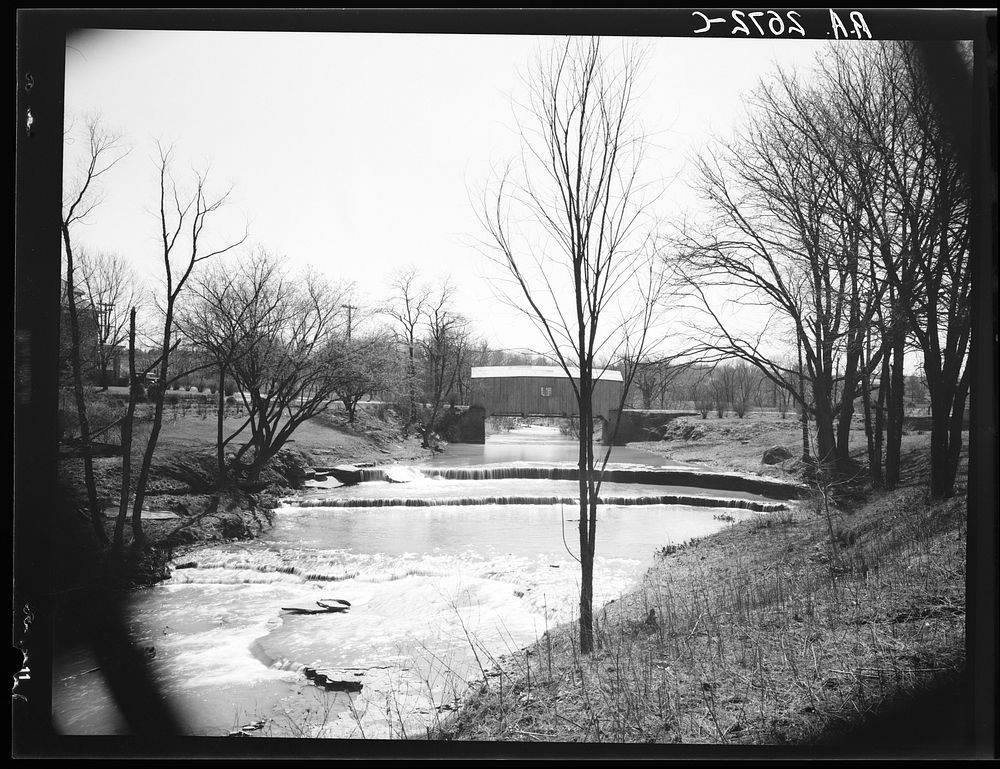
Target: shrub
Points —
{"points": [[68, 422], [845, 537], [102, 412], [230, 400], [229, 389], [172, 400], [772, 520]]}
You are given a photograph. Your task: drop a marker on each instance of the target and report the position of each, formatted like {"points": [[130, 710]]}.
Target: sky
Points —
{"points": [[361, 154]]}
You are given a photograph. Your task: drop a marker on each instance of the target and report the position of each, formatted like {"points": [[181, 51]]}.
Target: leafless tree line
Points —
{"points": [[841, 211], [283, 346]]}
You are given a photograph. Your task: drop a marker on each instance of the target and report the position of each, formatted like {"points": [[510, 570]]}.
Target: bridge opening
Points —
{"points": [[568, 426]]}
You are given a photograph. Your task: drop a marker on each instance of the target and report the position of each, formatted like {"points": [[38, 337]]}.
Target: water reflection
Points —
{"points": [[538, 443]]}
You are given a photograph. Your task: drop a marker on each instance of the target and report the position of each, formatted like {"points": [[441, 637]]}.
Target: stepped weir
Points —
{"points": [[774, 489], [664, 499]]}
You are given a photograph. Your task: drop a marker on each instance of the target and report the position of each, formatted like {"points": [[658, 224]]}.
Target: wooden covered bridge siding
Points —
{"points": [[547, 391], [539, 391]]}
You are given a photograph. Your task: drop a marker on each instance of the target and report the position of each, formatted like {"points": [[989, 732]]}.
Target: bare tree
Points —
{"points": [[873, 119], [362, 366], [118, 540], [109, 283], [232, 309], [654, 376], [701, 395], [831, 119], [286, 369], [746, 388], [103, 150], [779, 396], [568, 234], [408, 306], [723, 386], [787, 235], [444, 348], [920, 219], [186, 214], [478, 353]]}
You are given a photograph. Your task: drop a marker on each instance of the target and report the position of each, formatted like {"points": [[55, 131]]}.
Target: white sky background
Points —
{"points": [[359, 154]]}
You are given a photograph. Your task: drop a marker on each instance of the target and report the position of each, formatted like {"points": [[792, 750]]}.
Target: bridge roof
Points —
{"points": [[494, 372]]}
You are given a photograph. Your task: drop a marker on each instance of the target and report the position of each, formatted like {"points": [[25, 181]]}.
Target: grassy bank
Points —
{"points": [[791, 628], [182, 506]]}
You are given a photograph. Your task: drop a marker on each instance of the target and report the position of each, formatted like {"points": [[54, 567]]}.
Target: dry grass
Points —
{"points": [[189, 425], [769, 632]]}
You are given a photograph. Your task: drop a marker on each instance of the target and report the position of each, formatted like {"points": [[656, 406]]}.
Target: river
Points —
{"points": [[438, 586]]}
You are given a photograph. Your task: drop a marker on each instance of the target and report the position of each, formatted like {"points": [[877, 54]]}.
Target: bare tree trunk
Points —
{"points": [[127, 440], [81, 405], [411, 375], [945, 487], [894, 422], [202, 209], [220, 432], [880, 418], [874, 456], [852, 358], [806, 459], [947, 417], [826, 444], [138, 536], [587, 510]]}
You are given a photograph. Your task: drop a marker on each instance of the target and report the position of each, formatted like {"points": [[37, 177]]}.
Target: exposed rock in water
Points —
{"points": [[326, 606], [346, 474], [289, 468], [196, 473], [776, 454], [232, 515]]}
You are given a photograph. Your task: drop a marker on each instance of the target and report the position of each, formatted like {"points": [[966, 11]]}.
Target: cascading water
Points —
{"points": [[658, 477], [430, 579]]}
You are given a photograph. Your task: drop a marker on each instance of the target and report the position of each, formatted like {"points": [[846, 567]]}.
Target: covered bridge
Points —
{"points": [[540, 391]]}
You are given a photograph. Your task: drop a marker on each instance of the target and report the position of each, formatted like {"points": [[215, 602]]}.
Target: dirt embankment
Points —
{"points": [[731, 443]]}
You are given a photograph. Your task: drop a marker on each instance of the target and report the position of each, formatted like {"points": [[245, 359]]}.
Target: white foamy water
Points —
{"points": [[436, 593]]}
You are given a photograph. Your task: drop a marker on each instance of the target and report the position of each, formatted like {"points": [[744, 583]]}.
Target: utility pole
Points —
{"points": [[349, 308], [104, 311]]}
